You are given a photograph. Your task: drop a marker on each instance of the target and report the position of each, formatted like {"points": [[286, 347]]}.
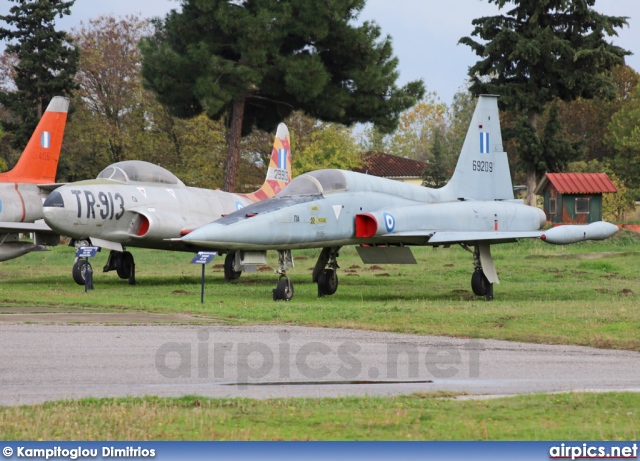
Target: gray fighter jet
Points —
{"points": [[331, 208], [139, 204], [23, 189]]}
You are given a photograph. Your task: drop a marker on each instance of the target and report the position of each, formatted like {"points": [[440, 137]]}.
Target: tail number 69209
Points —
{"points": [[482, 165]]}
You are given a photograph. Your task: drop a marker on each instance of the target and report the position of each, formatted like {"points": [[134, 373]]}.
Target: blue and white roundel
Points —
{"points": [[239, 206], [389, 221]]}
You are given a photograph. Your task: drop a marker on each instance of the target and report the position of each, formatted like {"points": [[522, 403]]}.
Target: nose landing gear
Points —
{"points": [[284, 290]]}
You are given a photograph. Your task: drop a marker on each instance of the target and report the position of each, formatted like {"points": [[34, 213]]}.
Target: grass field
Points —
{"points": [[573, 416], [586, 294]]}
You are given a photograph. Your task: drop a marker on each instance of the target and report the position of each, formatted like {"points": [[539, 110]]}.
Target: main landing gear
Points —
{"points": [[284, 290], [120, 261], [325, 272], [484, 274], [230, 272]]}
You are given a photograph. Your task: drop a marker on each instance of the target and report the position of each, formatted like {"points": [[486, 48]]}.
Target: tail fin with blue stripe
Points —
{"points": [[482, 172], [279, 172], [38, 163]]}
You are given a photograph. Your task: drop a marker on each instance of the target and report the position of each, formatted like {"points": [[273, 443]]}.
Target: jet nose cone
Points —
{"points": [[54, 200], [55, 213], [202, 234], [220, 236]]}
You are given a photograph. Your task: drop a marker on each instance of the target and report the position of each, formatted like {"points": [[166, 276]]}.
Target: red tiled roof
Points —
{"points": [[578, 183], [391, 166]]}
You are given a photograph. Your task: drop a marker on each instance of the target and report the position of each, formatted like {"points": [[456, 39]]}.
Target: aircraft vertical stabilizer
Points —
{"points": [[482, 172], [39, 160], [279, 172]]}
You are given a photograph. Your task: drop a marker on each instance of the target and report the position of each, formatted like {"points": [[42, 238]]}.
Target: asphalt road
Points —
{"points": [[40, 362]]}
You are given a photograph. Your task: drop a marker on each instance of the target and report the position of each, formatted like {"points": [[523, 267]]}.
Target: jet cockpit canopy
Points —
{"points": [[139, 171], [320, 182]]}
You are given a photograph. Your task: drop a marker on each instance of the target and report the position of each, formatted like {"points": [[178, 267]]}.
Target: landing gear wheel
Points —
{"points": [[79, 271], [124, 265], [229, 272], [327, 283], [479, 283], [284, 290]]}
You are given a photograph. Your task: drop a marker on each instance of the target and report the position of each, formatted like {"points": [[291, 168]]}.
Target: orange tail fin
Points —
{"points": [[39, 160], [279, 172]]}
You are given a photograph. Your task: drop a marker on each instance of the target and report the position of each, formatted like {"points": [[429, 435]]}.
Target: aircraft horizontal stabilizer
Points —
{"points": [[52, 186]]}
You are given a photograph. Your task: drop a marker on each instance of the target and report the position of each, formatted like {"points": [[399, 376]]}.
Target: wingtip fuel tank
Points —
{"points": [[563, 235]]}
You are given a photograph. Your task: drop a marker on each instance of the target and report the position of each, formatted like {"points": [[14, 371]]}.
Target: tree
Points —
{"points": [[459, 119], [436, 174], [417, 128], [587, 120], [616, 205], [330, 145], [545, 147], [541, 51], [253, 62], [623, 134], [46, 63], [109, 74]]}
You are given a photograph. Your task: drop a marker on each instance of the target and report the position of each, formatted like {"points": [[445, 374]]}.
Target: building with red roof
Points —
{"points": [[392, 167], [574, 198]]}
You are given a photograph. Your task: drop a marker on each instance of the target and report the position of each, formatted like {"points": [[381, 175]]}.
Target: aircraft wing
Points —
{"points": [[52, 186], [38, 226], [437, 237]]}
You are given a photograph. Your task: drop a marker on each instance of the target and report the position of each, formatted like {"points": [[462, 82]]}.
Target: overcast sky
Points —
{"points": [[425, 33]]}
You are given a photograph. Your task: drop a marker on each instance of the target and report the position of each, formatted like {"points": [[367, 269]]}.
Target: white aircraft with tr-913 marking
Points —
{"points": [[331, 208], [139, 204]]}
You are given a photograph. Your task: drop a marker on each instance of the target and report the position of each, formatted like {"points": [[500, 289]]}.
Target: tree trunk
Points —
{"points": [[530, 178], [233, 144]]}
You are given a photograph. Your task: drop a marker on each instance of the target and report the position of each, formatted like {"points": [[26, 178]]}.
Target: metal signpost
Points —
{"points": [[86, 253], [203, 258]]}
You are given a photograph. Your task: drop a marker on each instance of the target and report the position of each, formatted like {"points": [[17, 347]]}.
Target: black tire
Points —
{"points": [[284, 290], [229, 273], [79, 271], [479, 283], [327, 282], [124, 265]]}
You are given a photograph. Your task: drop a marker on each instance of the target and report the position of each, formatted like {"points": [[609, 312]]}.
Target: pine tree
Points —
{"points": [[47, 63], [539, 51], [436, 174], [253, 62]]}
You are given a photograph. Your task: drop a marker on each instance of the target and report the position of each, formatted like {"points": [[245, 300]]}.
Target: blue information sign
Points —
{"points": [[204, 257], [86, 252]]}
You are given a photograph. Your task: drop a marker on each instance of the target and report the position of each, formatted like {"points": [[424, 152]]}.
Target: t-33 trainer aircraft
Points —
{"points": [[23, 189], [331, 208], [139, 204]]}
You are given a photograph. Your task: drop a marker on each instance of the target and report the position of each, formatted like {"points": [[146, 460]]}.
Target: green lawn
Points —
{"points": [[572, 416]]}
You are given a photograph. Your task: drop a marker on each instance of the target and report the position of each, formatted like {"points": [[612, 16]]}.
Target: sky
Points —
{"points": [[424, 33]]}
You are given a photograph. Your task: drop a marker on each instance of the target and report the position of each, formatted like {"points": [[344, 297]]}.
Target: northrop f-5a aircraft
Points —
{"points": [[23, 189], [331, 208], [139, 204]]}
